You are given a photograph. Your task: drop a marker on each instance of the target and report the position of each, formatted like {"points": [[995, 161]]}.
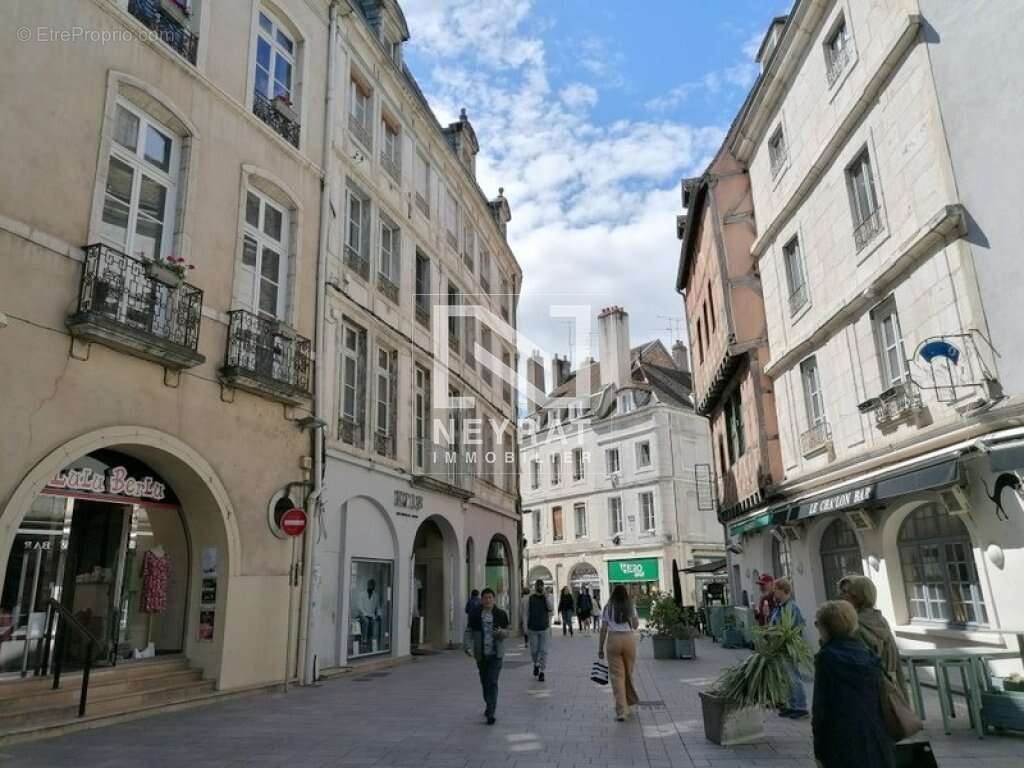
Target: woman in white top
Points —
{"points": [[618, 620]]}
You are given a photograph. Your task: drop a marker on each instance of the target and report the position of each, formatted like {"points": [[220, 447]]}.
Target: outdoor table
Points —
{"points": [[970, 661]]}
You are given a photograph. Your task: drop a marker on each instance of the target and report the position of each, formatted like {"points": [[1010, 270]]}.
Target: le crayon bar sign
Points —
{"points": [[116, 483]]}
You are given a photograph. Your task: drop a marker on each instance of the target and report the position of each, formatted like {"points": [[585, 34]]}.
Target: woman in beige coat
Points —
{"points": [[872, 628]]}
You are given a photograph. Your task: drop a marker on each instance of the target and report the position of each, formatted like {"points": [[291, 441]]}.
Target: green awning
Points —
{"points": [[752, 524]]}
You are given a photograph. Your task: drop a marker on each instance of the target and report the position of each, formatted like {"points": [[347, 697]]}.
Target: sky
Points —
{"points": [[588, 115]]}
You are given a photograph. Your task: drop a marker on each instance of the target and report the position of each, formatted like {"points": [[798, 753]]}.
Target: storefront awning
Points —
{"points": [[715, 566], [761, 521], [1008, 457]]}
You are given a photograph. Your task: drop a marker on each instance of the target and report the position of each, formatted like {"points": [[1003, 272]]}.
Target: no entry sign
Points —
{"points": [[293, 522]]}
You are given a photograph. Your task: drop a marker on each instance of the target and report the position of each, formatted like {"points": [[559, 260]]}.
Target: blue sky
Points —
{"points": [[588, 114]]}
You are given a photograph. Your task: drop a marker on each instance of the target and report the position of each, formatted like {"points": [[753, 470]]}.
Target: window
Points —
{"points": [[700, 343], [264, 271], [360, 119], [506, 385], [734, 427], [391, 151], [813, 401], [793, 263], [711, 307], [781, 558], [451, 219], [390, 254], [387, 388], [892, 356], [469, 246], [535, 474], [938, 568], [357, 231], [485, 271], [275, 60], [557, 534], [142, 172], [722, 466], [647, 511], [707, 339], [423, 184], [838, 47], [643, 454], [453, 319], [556, 468], [840, 556], [578, 471], [777, 151], [615, 515], [485, 344], [611, 460], [626, 402], [423, 293], [422, 416], [867, 216], [353, 384], [506, 299], [487, 448], [538, 525], [580, 514]]}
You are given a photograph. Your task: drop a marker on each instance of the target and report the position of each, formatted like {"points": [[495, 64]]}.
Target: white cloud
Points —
{"points": [[593, 204]]}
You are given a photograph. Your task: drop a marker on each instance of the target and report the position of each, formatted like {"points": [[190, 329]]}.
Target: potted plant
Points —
{"points": [[1014, 682], [169, 271], [176, 9], [685, 636], [284, 107], [733, 636], [665, 615], [735, 704]]}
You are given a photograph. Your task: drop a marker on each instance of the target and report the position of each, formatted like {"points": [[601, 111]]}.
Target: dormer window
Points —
{"points": [[395, 52], [626, 402]]}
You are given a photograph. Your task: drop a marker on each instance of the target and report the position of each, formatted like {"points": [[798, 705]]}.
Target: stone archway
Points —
{"points": [[434, 579], [499, 572]]}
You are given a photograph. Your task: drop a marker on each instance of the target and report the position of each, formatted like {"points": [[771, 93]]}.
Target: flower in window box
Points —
{"points": [[170, 270], [284, 106], [176, 9]]}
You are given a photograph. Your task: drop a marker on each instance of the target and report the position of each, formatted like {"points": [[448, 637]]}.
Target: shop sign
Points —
{"points": [[640, 569], [117, 483], [408, 500], [855, 497]]}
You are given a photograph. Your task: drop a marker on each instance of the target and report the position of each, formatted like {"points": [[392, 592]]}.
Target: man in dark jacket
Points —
{"points": [[539, 607], [849, 731], [484, 640]]}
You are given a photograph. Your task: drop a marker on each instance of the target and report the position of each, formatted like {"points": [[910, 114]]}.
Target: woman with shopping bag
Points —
{"points": [[618, 622]]}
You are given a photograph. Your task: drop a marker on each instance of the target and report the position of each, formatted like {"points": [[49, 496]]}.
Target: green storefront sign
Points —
{"points": [[640, 569]]}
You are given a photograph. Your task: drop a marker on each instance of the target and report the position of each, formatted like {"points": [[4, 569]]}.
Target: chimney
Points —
{"points": [[535, 378], [560, 366], [613, 325], [462, 139], [681, 356]]}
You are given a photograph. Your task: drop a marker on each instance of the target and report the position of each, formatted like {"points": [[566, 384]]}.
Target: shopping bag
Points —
{"points": [[901, 721], [599, 673]]}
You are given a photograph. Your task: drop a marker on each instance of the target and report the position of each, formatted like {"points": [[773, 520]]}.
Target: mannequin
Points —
{"points": [[156, 577]]}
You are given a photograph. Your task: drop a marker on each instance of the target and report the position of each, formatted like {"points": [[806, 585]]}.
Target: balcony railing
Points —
{"points": [[361, 132], [266, 357], [122, 306], [358, 263], [285, 125], [898, 403], [443, 467], [393, 167], [866, 231], [387, 289], [837, 63], [816, 439], [170, 22], [350, 432], [798, 298], [384, 444]]}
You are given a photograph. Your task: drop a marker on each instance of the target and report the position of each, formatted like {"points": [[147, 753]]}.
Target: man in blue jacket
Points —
{"points": [[796, 707], [484, 640]]}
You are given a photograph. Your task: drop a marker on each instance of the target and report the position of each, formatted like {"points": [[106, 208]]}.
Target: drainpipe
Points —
{"points": [[307, 622]]}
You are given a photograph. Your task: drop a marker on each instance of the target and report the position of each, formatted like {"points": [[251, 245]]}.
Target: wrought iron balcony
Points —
{"points": [[358, 263], [444, 468], [387, 289], [350, 432], [361, 132], [393, 167], [866, 231], [384, 444], [899, 403], [837, 63], [267, 358], [798, 298], [170, 22], [276, 117], [816, 439], [120, 305]]}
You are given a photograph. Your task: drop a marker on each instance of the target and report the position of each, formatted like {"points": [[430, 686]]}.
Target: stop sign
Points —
{"points": [[293, 522]]}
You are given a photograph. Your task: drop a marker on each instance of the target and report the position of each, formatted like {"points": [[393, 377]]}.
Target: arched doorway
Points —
{"points": [[468, 585], [840, 555], [584, 575], [435, 560], [542, 573], [498, 571]]}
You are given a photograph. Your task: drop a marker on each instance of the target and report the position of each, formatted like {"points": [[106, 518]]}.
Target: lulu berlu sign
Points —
{"points": [[117, 483]]}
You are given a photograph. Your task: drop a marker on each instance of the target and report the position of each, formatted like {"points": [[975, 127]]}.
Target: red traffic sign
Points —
{"points": [[293, 522]]}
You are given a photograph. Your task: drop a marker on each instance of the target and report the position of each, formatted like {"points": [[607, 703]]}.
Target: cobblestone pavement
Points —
{"points": [[428, 714]]}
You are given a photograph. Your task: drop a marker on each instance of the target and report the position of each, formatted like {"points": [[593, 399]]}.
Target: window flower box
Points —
{"points": [[284, 107], [178, 11], [164, 273]]}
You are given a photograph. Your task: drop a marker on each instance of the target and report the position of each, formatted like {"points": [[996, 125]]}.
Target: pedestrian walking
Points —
{"points": [[566, 608], [474, 601], [524, 610], [872, 628], [539, 608], [785, 605], [484, 640], [848, 726], [766, 602], [584, 609], [618, 620]]}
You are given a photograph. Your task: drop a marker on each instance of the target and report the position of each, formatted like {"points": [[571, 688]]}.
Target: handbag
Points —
{"points": [[900, 720], [599, 673]]}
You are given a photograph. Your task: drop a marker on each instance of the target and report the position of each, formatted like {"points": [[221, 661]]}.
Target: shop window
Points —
{"points": [[370, 608], [557, 531], [939, 574], [840, 556]]}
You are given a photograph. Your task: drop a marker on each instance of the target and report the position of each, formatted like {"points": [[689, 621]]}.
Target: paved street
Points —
{"points": [[427, 713]]}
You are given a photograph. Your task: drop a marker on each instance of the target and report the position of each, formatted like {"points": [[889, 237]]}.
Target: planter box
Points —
{"points": [[1003, 709], [282, 108], [734, 638], [163, 274], [725, 726], [686, 649], [664, 647], [1010, 685]]}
